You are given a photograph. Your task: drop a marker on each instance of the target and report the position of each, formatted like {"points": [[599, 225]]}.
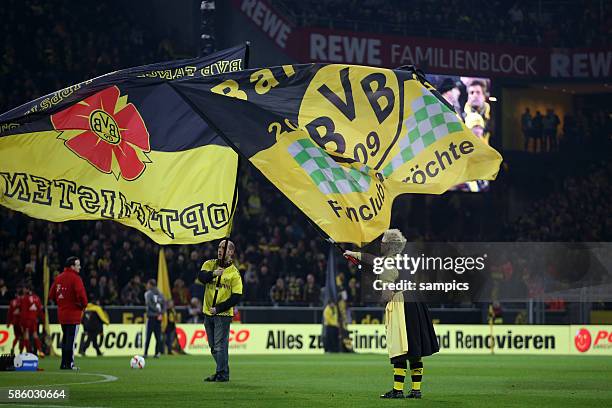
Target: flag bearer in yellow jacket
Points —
{"points": [[223, 291]]}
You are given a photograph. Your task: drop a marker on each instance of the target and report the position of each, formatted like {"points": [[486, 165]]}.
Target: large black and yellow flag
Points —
{"points": [[126, 147], [340, 141]]}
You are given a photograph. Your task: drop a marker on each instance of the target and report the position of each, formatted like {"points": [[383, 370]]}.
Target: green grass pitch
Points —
{"points": [[327, 381]]}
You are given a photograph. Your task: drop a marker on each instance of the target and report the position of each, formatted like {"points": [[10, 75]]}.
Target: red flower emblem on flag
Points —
{"points": [[106, 131]]}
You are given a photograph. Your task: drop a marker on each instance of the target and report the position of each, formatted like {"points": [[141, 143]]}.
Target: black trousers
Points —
{"points": [[331, 343], [69, 334], [154, 326], [169, 336], [91, 337]]}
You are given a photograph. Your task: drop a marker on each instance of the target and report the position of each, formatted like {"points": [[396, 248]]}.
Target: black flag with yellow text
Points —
{"points": [[125, 147]]}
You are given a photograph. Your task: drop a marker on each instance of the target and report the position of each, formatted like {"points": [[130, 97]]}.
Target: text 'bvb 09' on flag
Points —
{"points": [[125, 147], [341, 141]]}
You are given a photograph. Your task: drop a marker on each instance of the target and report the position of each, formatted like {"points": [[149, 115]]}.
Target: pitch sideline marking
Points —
{"points": [[106, 378], [48, 406]]}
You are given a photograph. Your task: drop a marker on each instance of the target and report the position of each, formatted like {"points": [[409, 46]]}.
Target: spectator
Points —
{"points": [[278, 293], [139, 288], [93, 290], [130, 293], [550, 123], [352, 293], [537, 132], [312, 291], [5, 296], [103, 292], [251, 288], [265, 281], [180, 294], [113, 296], [526, 127], [294, 290], [195, 311]]}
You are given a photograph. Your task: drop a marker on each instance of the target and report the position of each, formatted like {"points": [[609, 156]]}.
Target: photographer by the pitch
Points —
{"points": [[223, 291]]}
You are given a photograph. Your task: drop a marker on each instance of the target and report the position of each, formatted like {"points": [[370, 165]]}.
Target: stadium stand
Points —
{"points": [[277, 241], [541, 23]]}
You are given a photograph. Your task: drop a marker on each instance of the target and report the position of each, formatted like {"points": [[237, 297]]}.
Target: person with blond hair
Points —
{"points": [[409, 328]]}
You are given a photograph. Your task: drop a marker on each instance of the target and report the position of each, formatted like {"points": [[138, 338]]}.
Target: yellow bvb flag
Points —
{"points": [[163, 283], [124, 147], [342, 141]]}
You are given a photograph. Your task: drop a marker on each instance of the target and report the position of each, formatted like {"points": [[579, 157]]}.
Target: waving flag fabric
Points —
{"points": [[126, 147], [341, 141]]}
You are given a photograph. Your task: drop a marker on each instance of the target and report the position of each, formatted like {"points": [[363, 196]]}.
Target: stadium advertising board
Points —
{"points": [[591, 340], [476, 339], [442, 56], [128, 339]]}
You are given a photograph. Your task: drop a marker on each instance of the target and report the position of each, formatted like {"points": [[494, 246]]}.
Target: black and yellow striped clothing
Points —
{"points": [[399, 375], [278, 294], [219, 289], [416, 373], [295, 292]]}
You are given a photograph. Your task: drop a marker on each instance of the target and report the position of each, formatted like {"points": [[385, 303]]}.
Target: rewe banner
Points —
{"points": [[438, 56]]}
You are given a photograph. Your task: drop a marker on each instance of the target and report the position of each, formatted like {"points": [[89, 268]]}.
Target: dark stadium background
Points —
{"points": [[560, 194]]}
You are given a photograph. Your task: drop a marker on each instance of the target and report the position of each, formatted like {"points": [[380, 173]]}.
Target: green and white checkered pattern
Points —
{"points": [[431, 121], [328, 175]]}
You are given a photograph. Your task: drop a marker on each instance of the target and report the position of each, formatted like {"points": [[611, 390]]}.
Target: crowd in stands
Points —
{"points": [[577, 211], [281, 256], [561, 23], [48, 45]]}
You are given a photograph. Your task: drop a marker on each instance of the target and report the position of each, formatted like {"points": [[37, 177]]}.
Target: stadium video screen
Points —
{"points": [[470, 99]]}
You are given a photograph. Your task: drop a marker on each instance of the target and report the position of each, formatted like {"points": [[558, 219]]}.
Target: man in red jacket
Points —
{"points": [[30, 310], [68, 292], [15, 321]]}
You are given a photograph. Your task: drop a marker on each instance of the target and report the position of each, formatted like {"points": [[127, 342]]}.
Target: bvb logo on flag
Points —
{"points": [[362, 109], [106, 131]]}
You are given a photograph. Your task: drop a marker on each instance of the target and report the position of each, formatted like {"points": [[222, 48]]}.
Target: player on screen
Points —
{"points": [[409, 328], [477, 103]]}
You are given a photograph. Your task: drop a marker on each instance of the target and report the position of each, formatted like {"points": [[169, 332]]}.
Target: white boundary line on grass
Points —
{"points": [[48, 406], [106, 378]]}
